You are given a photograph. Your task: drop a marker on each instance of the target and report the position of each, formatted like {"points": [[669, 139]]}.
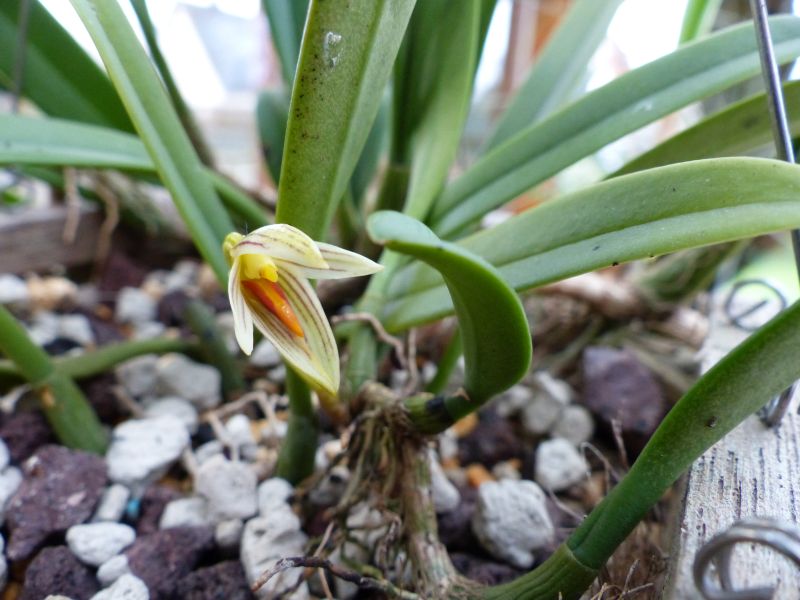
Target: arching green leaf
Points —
{"points": [[738, 129], [286, 19], [603, 116], [494, 330], [558, 69], [272, 113], [60, 78], [698, 19], [627, 218]]}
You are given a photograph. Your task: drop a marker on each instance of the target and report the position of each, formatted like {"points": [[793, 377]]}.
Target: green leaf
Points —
{"points": [[272, 113], [698, 20], [494, 330], [346, 58], [370, 157], [52, 142], [60, 78], [158, 126], [286, 19], [603, 116], [738, 129], [636, 216], [758, 369], [447, 63], [559, 69], [184, 113]]}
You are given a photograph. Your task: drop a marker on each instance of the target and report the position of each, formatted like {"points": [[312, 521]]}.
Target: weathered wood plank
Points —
{"points": [[34, 240], [752, 472]]}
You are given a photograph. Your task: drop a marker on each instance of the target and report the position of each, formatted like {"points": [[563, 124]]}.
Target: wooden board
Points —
{"points": [[752, 472], [34, 240]]}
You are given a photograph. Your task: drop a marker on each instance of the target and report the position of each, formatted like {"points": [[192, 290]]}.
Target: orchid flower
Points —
{"points": [[268, 286]]}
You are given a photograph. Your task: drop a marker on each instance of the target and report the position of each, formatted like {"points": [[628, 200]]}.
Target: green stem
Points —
{"points": [[98, 361], [296, 459], [181, 108], [69, 413]]}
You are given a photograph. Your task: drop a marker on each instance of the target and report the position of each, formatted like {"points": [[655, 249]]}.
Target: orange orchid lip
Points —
{"points": [[273, 298]]}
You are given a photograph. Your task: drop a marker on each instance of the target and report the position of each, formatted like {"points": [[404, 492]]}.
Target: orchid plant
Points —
{"points": [[326, 138]]}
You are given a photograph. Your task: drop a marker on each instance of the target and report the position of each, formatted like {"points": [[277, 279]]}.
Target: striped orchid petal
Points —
{"points": [[268, 287]]}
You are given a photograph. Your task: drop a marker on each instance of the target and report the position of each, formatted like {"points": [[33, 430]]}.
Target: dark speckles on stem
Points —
{"points": [[711, 422], [615, 264], [596, 248], [674, 189]]}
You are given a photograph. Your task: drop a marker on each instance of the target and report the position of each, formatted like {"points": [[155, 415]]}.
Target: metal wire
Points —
{"points": [[781, 537], [778, 406]]}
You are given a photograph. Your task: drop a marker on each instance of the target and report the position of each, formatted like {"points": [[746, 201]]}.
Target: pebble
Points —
{"points": [[222, 581], [112, 504], [265, 355], [5, 456], [148, 330], [229, 487], [555, 388], [540, 415], [138, 375], [511, 521], [111, 570], [134, 306], [575, 424], [228, 533], [177, 375], [208, 450], [273, 493], [559, 465], [151, 506], [10, 480], [618, 386], [513, 400], [240, 434], [76, 327], [143, 449], [508, 469], [181, 409], [445, 495], [267, 539], [162, 558], [13, 289], [95, 543], [48, 293], [55, 569], [61, 488], [44, 328], [492, 441], [24, 432], [185, 512], [127, 587], [331, 487], [3, 564]]}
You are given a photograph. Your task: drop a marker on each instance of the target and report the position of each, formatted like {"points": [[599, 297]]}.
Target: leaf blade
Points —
{"points": [[494, 329]]}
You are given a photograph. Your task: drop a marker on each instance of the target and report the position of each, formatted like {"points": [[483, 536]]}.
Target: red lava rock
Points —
{"points": [[24, 432], [617, 386], [171, 308], [56, 571], [99, 392], [61, 488], [483, 571], [152, 504], [223, 581], [161, 559], [493, 440], [455, 527]]}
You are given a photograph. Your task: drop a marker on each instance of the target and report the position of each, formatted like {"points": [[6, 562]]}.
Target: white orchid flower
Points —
{"points": [[268, 286]]}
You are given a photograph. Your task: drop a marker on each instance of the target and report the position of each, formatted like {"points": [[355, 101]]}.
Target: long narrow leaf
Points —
{"points": [[150, 109], [559, 68], [627, 218], [286, 19], [698, 19], [346, 58], [449, 63], [41, 142], [740, 128], [59, 77], [635, 99]]}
